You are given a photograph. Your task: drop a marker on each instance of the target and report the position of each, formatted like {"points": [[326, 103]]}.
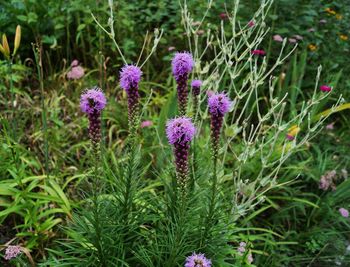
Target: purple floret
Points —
{"points": [[197, 260], [130, 77], [180, 130], [182, 64], [219, 104], [92, 100], [196, 83]]}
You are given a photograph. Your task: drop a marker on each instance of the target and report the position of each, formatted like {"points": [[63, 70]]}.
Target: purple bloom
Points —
{"points": [[197, 260], [182, 64], [328, 180], [325, 88], [74, 63], [12, 252], [130, 77], [250, 258], [92, 100], [180, 130], [196, 84], [344, 212], [75, 73], [277, 38], [171, 48], [330, 126], [219, 104]]}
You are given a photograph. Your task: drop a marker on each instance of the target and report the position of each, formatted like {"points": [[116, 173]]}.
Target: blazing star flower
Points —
{"points": [[277, 38], [325, 88], [182, 65], [196, 84], [92, 100], [258, 52], [130, 77], [12, 252], [180, 132], [344, 212], [197, 260], [75, 73], [219, 104], [145, 124]]}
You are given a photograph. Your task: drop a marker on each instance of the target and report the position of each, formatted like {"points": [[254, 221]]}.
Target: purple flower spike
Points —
{"points": [[197, 260], [196, 85], [219, 105], [180, 132], [130, 77], [182, 65], [92, 102]]}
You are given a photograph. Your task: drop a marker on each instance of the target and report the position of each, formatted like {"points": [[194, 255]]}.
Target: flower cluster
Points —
{"points": [[241, 251], [12, 252], [344, 212], [197, 260], [328, 180], [76, 71]]}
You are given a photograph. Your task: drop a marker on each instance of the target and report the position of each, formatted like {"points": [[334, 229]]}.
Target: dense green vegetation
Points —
{"points": [[275, 194]]}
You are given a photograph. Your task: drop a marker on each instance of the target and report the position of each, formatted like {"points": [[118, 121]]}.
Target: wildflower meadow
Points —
{"points": [[174, 133]]}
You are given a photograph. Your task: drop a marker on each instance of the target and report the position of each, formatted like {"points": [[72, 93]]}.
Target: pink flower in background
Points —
{"points": [[241, 248], [277, 38], [145, 124], [325, 88], [298, 37], [251, 24], [344, 212], [250, 258], [290, 137], [210, 93], [12, 252], [330, 126], [76, 71], [292, 40], [171, 48], [74, 63], [323, 21], [223, 16], [311, 30], [328, 180], [258, 52]]}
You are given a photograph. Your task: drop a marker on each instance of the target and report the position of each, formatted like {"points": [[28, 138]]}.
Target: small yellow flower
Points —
{"points": [[312, 47], [338, 16], [330, 11], [343, 37], [294, 130]]}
